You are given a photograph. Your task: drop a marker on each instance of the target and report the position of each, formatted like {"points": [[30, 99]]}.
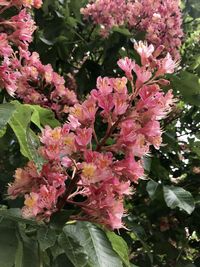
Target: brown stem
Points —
{"points": [[108, 133], [95, 137], [82, 205], [69, 190]]}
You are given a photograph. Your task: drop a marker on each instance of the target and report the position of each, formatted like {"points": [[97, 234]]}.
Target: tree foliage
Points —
{"points": [[163, 213]]}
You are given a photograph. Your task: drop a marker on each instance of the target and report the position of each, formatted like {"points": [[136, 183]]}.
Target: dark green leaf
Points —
{"points": [[8, 244], [46, 237], [151, 188], [14, 214], [178, 197], [87, 245], [188, 85]]}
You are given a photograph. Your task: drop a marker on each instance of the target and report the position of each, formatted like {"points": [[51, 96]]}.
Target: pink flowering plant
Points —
{"points": [[84, 95], [130, 107], [160, 20]]}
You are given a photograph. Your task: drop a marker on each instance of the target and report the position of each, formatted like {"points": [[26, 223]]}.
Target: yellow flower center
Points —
{"points": [[88, 170], [56, 134], [30, 201]]}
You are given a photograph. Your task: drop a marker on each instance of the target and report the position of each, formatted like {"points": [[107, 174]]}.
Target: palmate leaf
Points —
{"points": [[87, 246], [178, 197]]}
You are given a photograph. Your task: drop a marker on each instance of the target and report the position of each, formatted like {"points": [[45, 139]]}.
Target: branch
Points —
{"points": [[69, 190]]}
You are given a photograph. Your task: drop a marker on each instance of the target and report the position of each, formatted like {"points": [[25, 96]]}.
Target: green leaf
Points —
{"points": [[46, 237], [33, 143], [19, 122], [87, 245], [75, 6], [189, 86], [147, 163], [196, 147], [178, 197], [56, 250], [14, 214], [62, 261], [19, 253], [74, 251], [43, 116], [27, 251], [60, 218], [28, 140], [3, 131], [151, 188], [8, 244], [193, 8], [123, 31], [6, 111], [119, 246]]}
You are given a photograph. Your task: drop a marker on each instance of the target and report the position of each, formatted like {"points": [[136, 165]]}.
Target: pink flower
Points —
{"points": [[24, 27], [89, 110], [66, 162], [31, 208], [51, 136], [121, 104], [68, 144], [143, 75], [144, 51], [5, 48], [167, 65], [140, 147], [25, 179], [128, 134], [129, 168], [105, 204], [83, 136], [73, 122], [127, 65], [106, 103], [37, 3], [47, 197], [119, 85], [153, 133], [104, 85], [160, 20]]}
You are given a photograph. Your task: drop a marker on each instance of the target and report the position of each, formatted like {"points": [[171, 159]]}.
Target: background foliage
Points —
{"points": [[164, 219]]}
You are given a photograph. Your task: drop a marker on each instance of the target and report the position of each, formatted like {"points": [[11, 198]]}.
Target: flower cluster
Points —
{"points": [[22, 73], [5, 4], [96, 174], [161, 20]]}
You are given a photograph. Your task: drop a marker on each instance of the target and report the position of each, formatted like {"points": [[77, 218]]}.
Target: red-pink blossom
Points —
{"points": [[160, 20], [102, 170], [127, 66], [83, 136]]}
